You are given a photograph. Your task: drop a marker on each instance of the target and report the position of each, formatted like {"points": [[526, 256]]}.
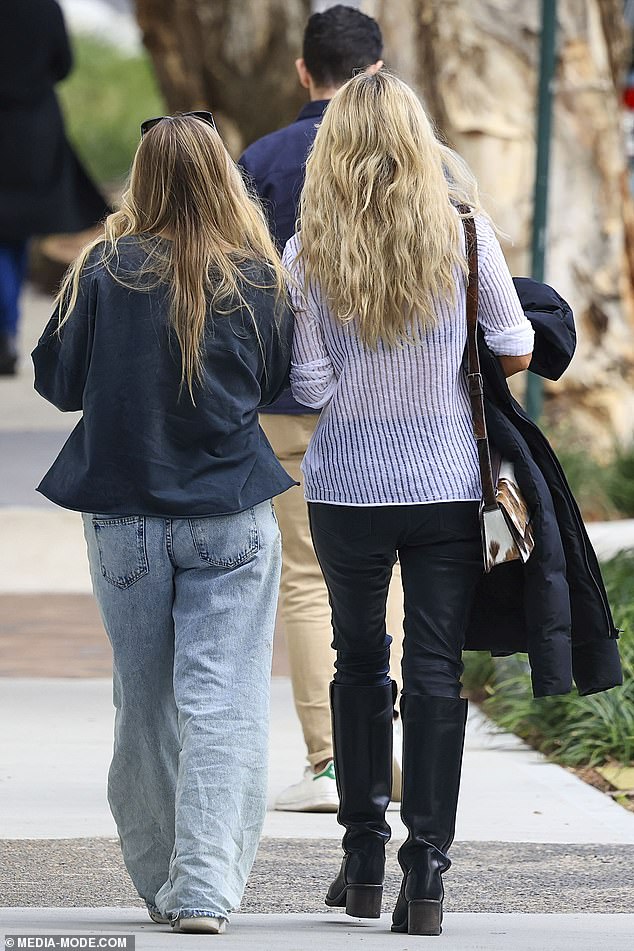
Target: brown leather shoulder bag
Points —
{"points": [[505, 522]]}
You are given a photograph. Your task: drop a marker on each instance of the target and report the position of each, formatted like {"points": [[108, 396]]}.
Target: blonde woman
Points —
{"points": [[169, 334], [379, 267]]}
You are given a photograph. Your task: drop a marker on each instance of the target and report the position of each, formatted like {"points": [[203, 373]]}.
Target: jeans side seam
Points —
{"points": [[169, 542]]}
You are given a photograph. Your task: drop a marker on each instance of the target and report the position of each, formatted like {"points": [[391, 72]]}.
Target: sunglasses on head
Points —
{"points": [[204, 116]]}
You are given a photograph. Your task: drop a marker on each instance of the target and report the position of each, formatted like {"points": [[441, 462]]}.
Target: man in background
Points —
{"points": [[337, 44]]}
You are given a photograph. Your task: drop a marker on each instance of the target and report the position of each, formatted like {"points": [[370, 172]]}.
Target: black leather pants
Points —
{"points": [[439, 549], [441, 562]]}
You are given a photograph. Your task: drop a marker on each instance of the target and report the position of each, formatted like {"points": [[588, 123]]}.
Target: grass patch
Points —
{"points": [[572, 730], [104, 100]]}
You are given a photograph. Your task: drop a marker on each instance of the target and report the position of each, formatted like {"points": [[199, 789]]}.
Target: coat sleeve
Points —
{"points": [[554, 326], [61, 54], [62, 356]]}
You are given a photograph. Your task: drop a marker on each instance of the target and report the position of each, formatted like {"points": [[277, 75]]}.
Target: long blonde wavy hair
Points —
{"points": [[379, 233], [184, 186]]}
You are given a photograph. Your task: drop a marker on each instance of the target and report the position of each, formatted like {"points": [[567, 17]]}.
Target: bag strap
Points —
{"points": [[474, 376]]}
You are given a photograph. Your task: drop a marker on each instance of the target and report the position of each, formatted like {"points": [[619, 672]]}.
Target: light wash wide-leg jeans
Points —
{"points": [[189, 607]]}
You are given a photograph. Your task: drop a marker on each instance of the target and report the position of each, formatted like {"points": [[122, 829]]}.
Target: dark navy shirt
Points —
{"points": [[276, 164], [142, 446]]}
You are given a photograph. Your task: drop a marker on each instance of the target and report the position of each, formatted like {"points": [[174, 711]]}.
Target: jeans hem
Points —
{"points": [[194, 913], [155, 910]]}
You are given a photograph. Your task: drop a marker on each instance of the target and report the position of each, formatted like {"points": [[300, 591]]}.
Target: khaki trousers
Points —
{"points": [[303, 594]]}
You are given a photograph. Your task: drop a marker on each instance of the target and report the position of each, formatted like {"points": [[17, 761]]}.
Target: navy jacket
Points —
{"points": [[275, 167], [142, 447], [555, 606]]}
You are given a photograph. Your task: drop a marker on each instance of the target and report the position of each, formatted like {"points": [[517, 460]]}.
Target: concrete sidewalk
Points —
{"points": [[461, 932], [54, 762], [531, 838]]}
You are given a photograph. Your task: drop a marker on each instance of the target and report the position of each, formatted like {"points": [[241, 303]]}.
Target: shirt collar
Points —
{"points": [[313, 110]]}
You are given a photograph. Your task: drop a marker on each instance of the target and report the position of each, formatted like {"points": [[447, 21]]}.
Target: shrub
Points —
{"points": [[620, 482], [604, 489], [576, 730], [589, 482], [479, 673]]}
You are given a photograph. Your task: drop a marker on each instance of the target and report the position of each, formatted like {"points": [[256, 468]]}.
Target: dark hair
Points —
{"points": [[339, 41]]}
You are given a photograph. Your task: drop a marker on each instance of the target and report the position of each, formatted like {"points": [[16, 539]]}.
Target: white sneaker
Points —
{"points": [[156, 916], [201, 924], [317, 792]]}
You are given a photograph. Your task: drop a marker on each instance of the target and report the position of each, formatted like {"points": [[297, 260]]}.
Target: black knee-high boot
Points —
{"points": [[433, 742], [362, 739]]}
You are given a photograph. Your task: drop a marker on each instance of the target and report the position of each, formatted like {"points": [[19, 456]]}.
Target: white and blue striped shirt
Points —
{"points": [[396, 428]]}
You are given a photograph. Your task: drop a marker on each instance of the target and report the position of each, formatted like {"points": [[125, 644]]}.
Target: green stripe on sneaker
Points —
{"points": [[328, 772]]}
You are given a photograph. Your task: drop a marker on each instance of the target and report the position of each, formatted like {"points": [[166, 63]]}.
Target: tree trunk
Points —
{"points": [[233, 58], [475, 64]]}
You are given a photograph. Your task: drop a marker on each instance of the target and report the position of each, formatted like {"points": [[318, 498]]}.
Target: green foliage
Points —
{"points": [[603, 489], [621, 482], [479, 672], [574, 730], [589, 482], [105, 99]]}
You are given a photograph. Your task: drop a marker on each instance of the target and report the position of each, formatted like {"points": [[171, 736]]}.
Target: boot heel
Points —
{"points": [[424, 916], [364, 901]]}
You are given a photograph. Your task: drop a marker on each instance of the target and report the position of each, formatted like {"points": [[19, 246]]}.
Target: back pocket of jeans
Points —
{"points": [[121, 545], [226, 541]]}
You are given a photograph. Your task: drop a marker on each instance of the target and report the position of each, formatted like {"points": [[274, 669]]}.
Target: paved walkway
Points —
{"points": [[461, 932], [539, 855], [509, 793]]}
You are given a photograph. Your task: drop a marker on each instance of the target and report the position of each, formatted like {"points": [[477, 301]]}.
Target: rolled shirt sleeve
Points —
{"points": [[507, 331], [313, 379]]}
